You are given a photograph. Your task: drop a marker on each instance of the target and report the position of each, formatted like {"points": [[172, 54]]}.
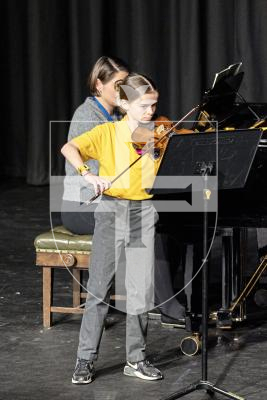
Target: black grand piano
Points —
{"points": [[221, 105], [238, 209]]}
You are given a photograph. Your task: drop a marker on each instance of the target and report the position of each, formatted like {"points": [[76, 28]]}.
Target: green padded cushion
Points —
{"points": [[59, 238]]}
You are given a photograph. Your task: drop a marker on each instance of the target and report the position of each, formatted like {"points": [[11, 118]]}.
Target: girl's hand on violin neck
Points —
{"points": [[100, 184]]}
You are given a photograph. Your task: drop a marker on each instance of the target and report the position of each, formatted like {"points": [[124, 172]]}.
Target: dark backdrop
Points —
{"points": [[48, 47]]}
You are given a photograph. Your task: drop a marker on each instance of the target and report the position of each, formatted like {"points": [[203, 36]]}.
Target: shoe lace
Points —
{"points": [[83, 363], [148, 363], [144, 362]]}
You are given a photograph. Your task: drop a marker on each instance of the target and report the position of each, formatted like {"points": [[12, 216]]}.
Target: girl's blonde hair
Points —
{"points": [[140, 84]]}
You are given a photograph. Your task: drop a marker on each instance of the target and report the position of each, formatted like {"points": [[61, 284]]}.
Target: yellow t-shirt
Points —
{"points": [[111, 145]]}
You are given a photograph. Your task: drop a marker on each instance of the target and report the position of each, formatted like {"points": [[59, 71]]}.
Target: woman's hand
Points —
{"points": [[100, 184]]}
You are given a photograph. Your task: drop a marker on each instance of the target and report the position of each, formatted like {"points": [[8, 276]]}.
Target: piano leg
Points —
{"points": [[227, 266], [234, 259], [240, 238]]}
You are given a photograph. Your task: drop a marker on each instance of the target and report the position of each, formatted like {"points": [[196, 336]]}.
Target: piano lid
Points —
{"points": [[220, 108], [218, 103]]}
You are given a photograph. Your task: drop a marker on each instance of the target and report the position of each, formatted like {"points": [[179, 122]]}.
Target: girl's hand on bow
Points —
{"points": [[100, 184]]}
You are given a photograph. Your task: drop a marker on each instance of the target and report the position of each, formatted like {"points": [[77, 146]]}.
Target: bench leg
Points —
{"points": [[76, 292], [47, 296]]}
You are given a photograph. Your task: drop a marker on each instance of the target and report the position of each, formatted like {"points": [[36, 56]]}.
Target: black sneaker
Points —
{"points": [[142, 369], [84, 372]]}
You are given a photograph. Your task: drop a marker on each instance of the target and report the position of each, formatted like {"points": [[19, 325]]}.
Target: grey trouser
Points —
{"points": [[121, 226]]}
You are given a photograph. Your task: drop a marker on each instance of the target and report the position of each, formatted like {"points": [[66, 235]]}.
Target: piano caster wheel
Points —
{"points": [[191, 345]]}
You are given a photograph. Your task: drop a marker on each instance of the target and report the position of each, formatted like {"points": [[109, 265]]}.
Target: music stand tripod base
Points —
{"points": [[206, 385]]}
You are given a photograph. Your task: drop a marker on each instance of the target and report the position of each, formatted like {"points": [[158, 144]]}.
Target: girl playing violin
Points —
{"points": [[124, 223]]}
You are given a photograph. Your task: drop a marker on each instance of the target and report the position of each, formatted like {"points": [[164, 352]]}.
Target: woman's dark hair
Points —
{"points": [[135, 81], [104, 69]]}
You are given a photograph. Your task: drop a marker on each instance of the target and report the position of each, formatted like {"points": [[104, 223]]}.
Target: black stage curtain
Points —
{"points": [[49, 46]]}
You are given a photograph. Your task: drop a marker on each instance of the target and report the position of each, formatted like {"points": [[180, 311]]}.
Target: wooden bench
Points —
{"points": [[61, 249]]}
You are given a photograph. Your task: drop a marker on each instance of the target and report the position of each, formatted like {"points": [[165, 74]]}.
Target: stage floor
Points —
{"points": [[37, 363]]}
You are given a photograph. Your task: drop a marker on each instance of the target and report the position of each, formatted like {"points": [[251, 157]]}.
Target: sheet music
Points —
{"points": [[232, 70]]}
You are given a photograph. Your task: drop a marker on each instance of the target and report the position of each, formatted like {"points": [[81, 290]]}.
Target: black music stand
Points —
{"points": [[188, 155]]}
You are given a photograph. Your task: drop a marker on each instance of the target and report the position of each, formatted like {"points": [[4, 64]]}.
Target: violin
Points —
{"points": [[158, 138]]}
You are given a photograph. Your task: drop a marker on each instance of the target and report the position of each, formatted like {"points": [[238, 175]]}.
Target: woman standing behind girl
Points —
{"points": [[97, 109]]}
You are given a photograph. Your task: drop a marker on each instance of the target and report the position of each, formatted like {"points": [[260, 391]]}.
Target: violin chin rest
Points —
{"points": [[143, 135]]}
